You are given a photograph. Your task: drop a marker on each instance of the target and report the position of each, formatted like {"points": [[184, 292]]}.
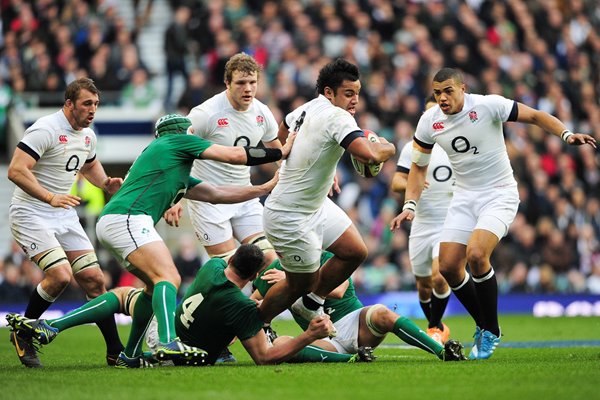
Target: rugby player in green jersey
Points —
{"points": [[159, 178], [214, 311], [359, 326]]}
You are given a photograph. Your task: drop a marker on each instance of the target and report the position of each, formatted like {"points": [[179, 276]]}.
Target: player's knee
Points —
{"points": [[58, 277], [476, 257], [380, 319], [360, 253], [92, 282], [173, 277], [439, 283], [424, 284]]}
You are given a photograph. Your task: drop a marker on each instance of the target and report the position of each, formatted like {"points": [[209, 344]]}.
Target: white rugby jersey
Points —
{"points": [[307, 174], [473, 140], [216, 120], [60, 152], [435, 199]]}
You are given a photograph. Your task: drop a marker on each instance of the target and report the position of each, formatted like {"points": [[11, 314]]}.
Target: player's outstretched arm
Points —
{"points": [[553, 125], [262, 354], [229, 194]]}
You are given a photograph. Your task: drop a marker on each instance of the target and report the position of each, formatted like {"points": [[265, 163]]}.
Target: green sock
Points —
{"points": [[142, 315], [164, 301], [317, 354], [94, 310], [406, 330]]}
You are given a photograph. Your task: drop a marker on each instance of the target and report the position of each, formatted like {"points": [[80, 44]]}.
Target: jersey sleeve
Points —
{"points": [[342, 125], [93, 141], [200, 121], [502, 107], [404, 161], [193, 182], [195, 145], [271, 126], [423, 133], [36, 141]]}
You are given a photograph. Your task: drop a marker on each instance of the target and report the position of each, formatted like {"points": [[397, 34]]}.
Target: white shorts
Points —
{"points": [[122, 234], [299, 238], [217, 223], [493, 210], [38, 230], [346, 340], [423, 247]]}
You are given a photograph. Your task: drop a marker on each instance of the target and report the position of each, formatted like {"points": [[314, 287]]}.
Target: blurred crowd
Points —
{"points": [[543, 53]]}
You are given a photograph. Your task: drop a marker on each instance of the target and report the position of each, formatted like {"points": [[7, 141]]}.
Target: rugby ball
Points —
{"points": [[367, 170]]}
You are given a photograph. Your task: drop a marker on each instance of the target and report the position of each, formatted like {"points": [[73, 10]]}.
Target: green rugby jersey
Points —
{"points": [[159, 177], [214, 311], [336, 308]]}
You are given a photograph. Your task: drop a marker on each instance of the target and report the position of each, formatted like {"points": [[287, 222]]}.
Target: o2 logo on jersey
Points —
{"points": [[222, 122], [260, 120], [442, 173], [438, 126], [473, 116], [461, 144], [63, 139], [87, 141]]}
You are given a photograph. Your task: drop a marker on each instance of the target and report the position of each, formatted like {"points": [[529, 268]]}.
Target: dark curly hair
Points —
{"points": [[333, 74]]}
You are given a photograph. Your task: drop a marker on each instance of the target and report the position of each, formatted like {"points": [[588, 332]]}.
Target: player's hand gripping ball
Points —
{"points": [[367, 170]]}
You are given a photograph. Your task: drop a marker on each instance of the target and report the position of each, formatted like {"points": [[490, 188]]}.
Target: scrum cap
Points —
{"points": [[171, 124]]}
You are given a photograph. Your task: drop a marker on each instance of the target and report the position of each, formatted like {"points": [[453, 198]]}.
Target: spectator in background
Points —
{"points": [[12, 288], [195, 92], [187, 261], [140, 94], [176, 50]]}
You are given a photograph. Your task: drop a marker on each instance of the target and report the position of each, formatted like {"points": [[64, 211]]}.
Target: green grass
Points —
{"points": [[74, 369]]}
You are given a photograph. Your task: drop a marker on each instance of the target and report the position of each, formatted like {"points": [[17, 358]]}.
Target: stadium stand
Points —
{"points": [[543, 53]]}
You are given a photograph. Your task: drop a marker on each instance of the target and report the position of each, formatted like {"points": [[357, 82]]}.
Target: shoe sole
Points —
{"points": [[184, 358]]}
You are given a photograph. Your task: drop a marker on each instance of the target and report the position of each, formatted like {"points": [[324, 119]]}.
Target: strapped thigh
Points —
{"points": [[52, 258], [370, 325]]}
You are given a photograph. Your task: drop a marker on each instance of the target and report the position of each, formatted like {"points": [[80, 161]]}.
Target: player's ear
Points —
{"points": [[328, 92]]}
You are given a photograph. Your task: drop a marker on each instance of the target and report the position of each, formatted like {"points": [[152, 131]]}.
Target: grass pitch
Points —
{"points": [[549, 358]]}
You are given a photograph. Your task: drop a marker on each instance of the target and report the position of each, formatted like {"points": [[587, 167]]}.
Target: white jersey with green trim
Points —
{"points": [[307, 174], [216, 120], [60, 152], [473, 139], [435, 199]]}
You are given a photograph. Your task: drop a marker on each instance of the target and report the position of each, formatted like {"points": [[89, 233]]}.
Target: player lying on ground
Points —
{"points": [[217, 287], [358, 326]]}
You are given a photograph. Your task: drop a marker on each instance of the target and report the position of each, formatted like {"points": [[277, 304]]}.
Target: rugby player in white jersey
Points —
{"points": [[233, 117], [299, 219], [469, 128], [41, 214], [424, 239]]}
